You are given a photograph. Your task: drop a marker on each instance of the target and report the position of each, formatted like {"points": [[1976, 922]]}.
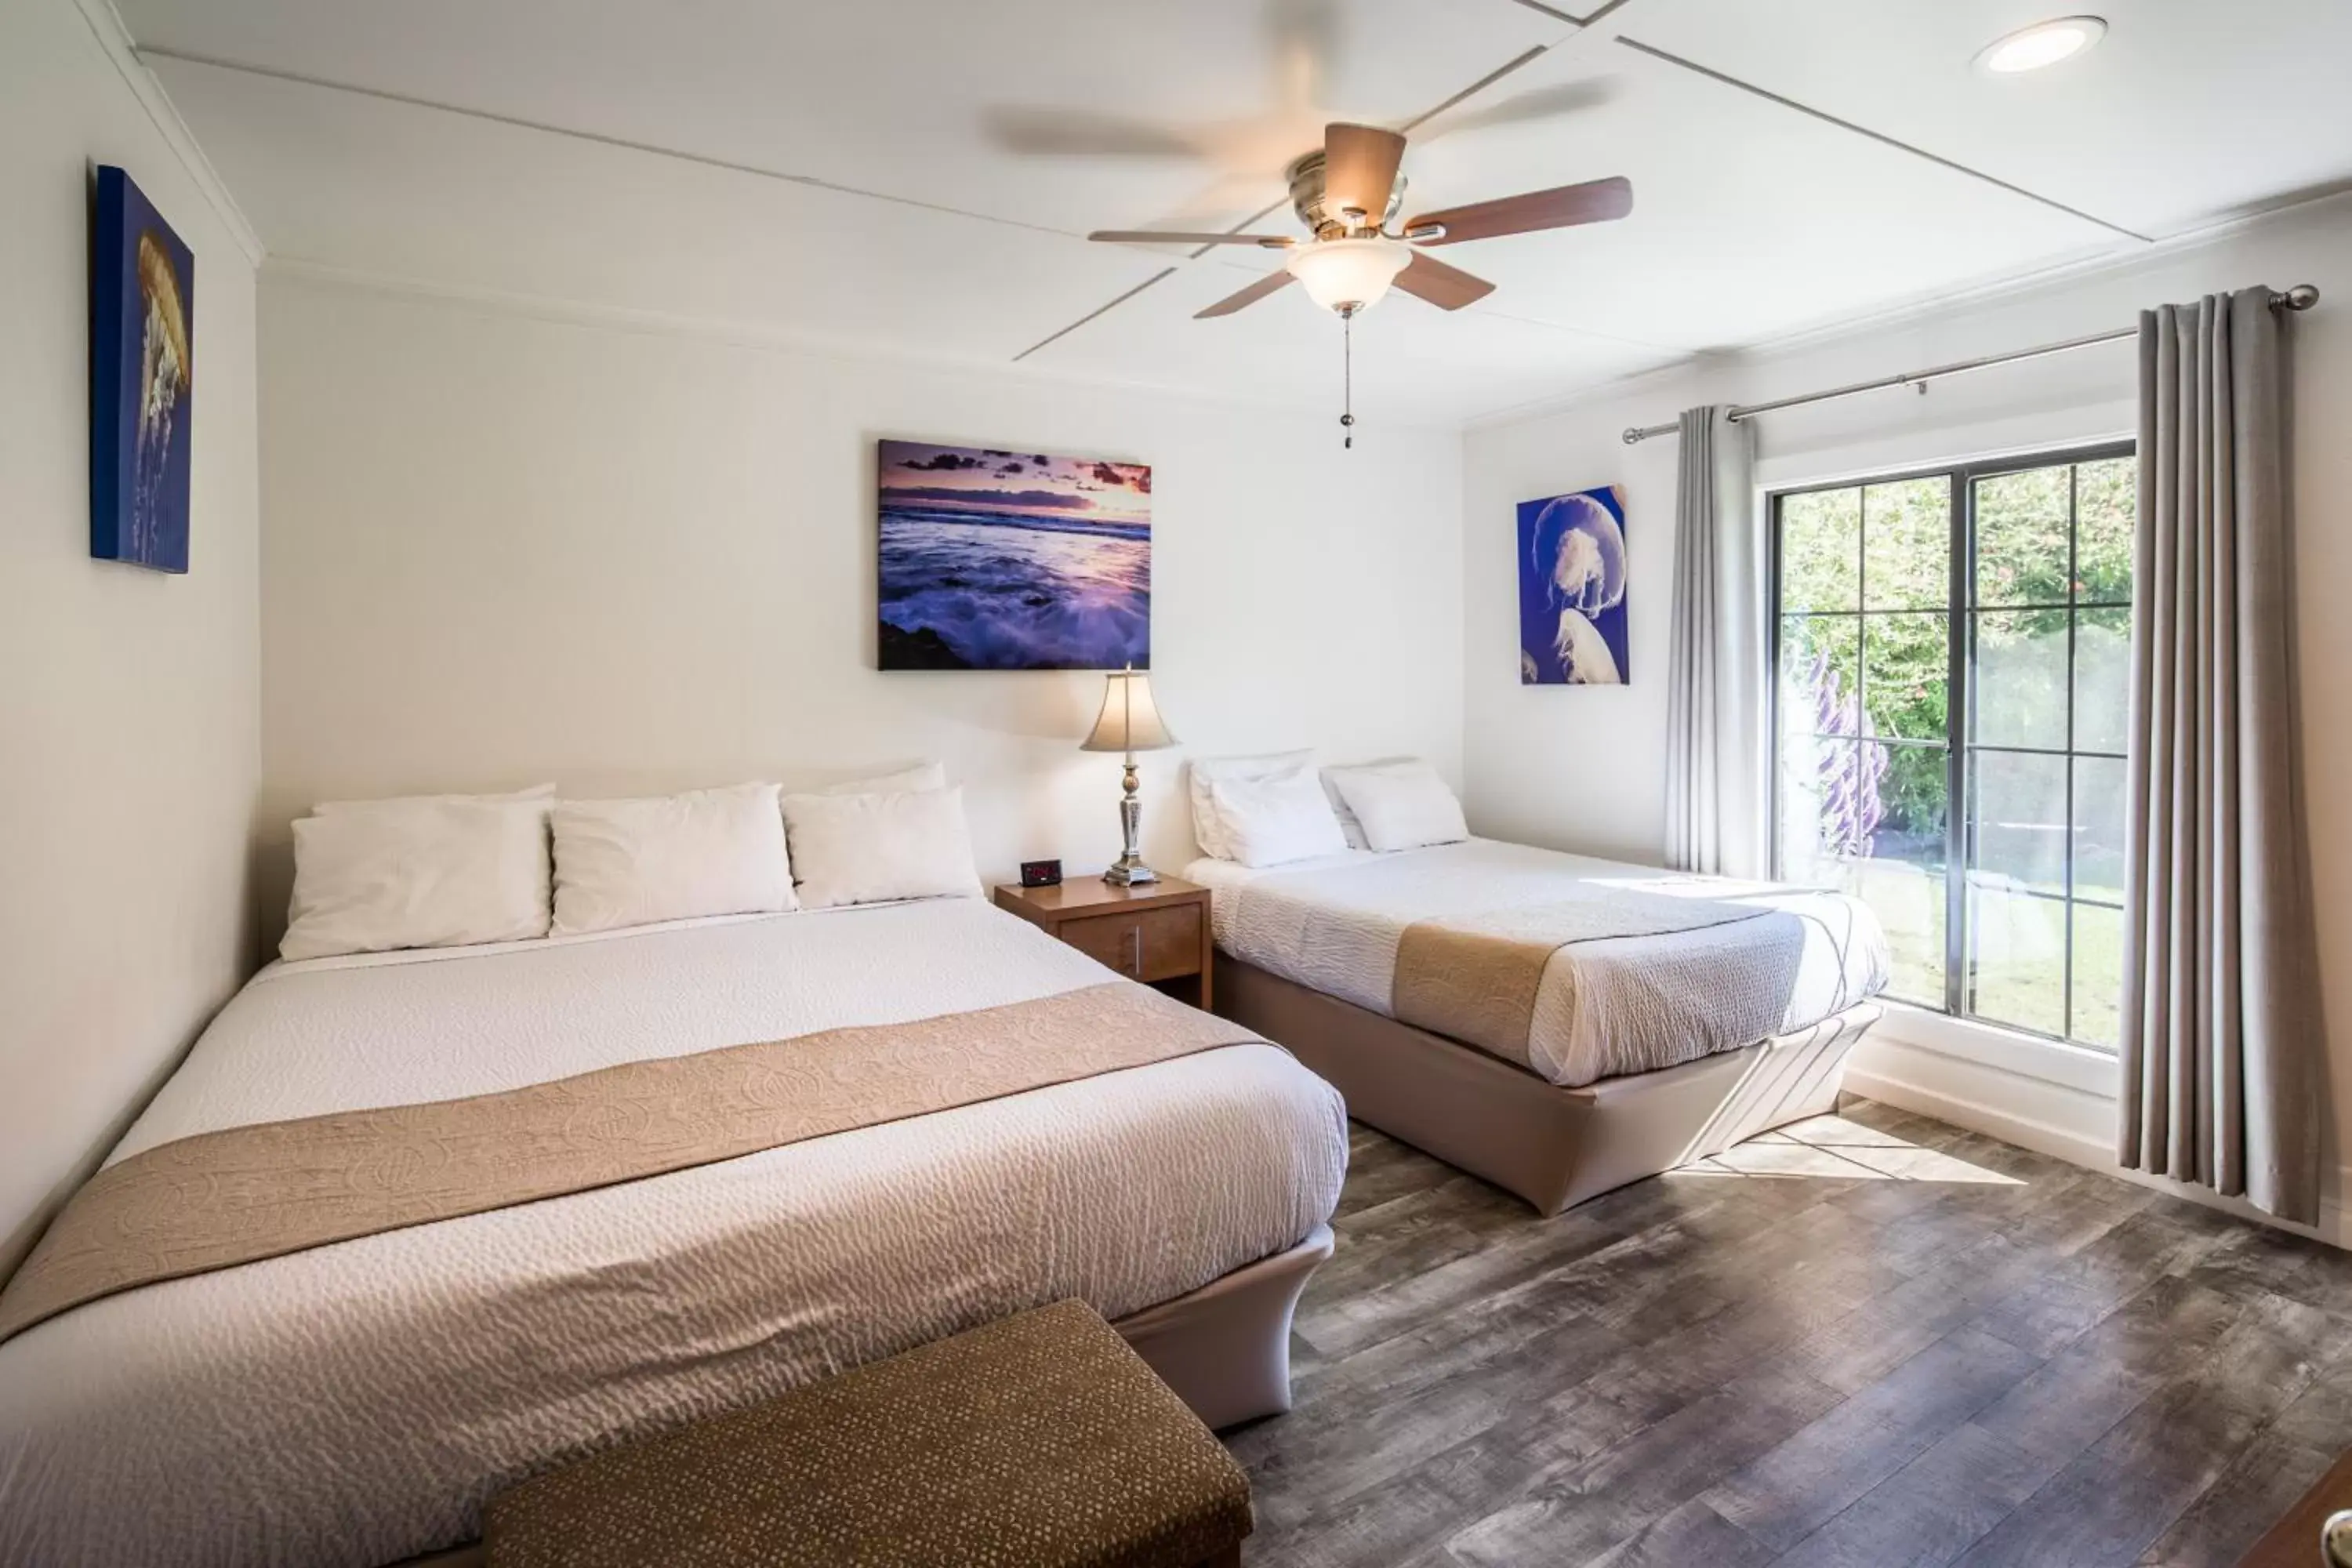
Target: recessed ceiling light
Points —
{"points": [[2043, 44]]}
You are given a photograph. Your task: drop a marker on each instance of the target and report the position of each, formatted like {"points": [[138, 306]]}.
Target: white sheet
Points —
{"points": [[355, 1403], [1605, 1008]]}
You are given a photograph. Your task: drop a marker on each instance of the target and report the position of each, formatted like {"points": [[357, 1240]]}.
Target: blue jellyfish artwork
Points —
{"points": [[1573, 590], [143, 369]]}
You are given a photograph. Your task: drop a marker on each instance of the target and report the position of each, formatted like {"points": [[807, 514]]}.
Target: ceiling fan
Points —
{"points": [[1347, 194]]}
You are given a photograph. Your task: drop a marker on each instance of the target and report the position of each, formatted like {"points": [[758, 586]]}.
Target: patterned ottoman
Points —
{"points": [[1041, 1441]]}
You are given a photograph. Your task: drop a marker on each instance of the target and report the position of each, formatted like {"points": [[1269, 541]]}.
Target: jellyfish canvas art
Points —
{"points": [[143, 364], [1573, 613]]}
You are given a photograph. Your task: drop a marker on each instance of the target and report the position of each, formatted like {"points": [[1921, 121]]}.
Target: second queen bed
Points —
{"points": [[1558, 1025]]}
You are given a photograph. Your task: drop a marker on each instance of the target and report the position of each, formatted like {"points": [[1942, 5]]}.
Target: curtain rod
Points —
{"points": [[2302, 297]]}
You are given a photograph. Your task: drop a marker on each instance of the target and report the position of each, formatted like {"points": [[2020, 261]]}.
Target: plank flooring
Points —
{"points": [[1870, 1341]]}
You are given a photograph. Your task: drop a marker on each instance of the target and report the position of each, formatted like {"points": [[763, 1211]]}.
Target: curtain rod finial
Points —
{"points": [[2302, 297]]}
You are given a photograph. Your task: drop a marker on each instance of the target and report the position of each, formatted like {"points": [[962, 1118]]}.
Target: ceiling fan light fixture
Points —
{"points": [[2043, 44], [1348, 274]]}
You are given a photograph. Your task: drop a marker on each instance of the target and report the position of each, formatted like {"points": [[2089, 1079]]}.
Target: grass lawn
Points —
{"points": [[2019, 950]]}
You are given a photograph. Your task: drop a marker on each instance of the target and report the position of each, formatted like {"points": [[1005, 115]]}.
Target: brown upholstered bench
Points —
{"points": [[1042, 1441]]}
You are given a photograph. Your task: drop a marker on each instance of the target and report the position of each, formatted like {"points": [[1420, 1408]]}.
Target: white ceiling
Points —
{"points": [[929, 210]]}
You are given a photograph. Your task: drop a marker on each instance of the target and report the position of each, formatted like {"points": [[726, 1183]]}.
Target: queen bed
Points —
{"points": [[356, 1402], [1558, 1025]]}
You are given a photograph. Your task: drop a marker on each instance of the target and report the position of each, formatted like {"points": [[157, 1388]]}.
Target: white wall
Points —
{"points": [[129, 700], [1585, 769], [503, 547]]}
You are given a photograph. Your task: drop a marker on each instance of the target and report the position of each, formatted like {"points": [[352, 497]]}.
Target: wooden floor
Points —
{"points": [[1872, 1341]]}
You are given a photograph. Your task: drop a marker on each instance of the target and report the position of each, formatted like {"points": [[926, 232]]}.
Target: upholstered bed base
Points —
{"points": [[1552, 1146], [1225, 1347]]}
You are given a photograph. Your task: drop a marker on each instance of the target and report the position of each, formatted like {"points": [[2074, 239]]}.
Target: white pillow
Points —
{"points": [[1347, 823], [1278, 818], [1206, 772], [374, 876], [871, 848], [544, 794], [905, 781], [1403, 807], [671, 858]]}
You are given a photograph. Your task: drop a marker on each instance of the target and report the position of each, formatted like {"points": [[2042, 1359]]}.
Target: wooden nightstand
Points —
{"points": [[1158, 932]]}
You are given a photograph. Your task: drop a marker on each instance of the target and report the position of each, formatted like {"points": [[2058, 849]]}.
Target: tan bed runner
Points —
{"points": [[1476, 977], [218, 1199]]}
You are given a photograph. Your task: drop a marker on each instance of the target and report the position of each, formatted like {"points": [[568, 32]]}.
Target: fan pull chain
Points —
{"points": [[1348, 379]]}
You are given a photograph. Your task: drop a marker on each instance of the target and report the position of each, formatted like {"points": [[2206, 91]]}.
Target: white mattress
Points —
{"points": [[1609, 1007], [355, 1403]]}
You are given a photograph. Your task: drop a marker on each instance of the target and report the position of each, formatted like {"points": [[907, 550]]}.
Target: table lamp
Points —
{"points": [[1130, 723]]}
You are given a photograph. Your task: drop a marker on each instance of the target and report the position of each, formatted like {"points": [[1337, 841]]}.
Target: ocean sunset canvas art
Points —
{"points": [[994, 558]]}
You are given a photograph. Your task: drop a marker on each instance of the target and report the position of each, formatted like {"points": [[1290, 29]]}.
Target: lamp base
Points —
{"points": [[1129, 870]]}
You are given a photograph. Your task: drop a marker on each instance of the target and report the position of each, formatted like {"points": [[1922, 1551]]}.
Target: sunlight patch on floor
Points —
{"points": [[1831, 1147]]}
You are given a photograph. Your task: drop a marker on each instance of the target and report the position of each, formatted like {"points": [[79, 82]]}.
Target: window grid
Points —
{"points": [[1962, 751], [2074, 577], [2001, 749], [1973, 609]]}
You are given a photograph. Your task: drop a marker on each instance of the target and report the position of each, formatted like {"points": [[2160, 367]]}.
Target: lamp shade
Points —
{"points": [[1129, 721], [1349, 273]]}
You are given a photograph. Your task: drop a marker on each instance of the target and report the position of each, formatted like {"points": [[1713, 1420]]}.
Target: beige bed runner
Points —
{"points": [[243, 1193], [1476, 977]]}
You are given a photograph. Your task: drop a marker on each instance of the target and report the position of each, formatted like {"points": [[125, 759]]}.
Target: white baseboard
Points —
{"points": [[2040, 1137], [2056, 1114]]}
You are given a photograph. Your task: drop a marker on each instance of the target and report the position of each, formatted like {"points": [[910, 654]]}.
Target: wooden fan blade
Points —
{"points": [[1174, 237], [1448, 288], [1273, 282], [1595, 201], [1060, 132], [1541, 103], [1360, 168]]}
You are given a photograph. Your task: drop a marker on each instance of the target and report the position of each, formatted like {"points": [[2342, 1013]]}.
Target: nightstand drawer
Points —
{"points": [[1146, 944]]}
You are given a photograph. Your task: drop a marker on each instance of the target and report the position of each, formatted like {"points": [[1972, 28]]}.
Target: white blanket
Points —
{"points": [[1605, 1008], [356, 1403]]}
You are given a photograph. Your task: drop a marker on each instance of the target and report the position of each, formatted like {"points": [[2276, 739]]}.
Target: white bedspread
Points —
{"points": [[355, 1403], [1605, 1008]]}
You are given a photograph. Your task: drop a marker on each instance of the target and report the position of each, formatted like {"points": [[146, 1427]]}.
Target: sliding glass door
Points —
{"points": [[1952, 664]]}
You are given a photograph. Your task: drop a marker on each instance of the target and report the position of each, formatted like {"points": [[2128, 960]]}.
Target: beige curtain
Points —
{"points": [[1715, 665], [2222, 1042]]}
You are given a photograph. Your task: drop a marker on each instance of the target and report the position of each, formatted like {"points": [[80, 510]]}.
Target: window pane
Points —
{"points": [[1821, 551], [1817, 831], [1900, 802], [1819, 657], [2018, 825], [2102, 680], [2106, 500], [2017, 956], [2020, 538], [1907, 544], [2099, 801], [1869, 820], [1907, 657], [2021, 678], [2098, 976], [2017, 942]]}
